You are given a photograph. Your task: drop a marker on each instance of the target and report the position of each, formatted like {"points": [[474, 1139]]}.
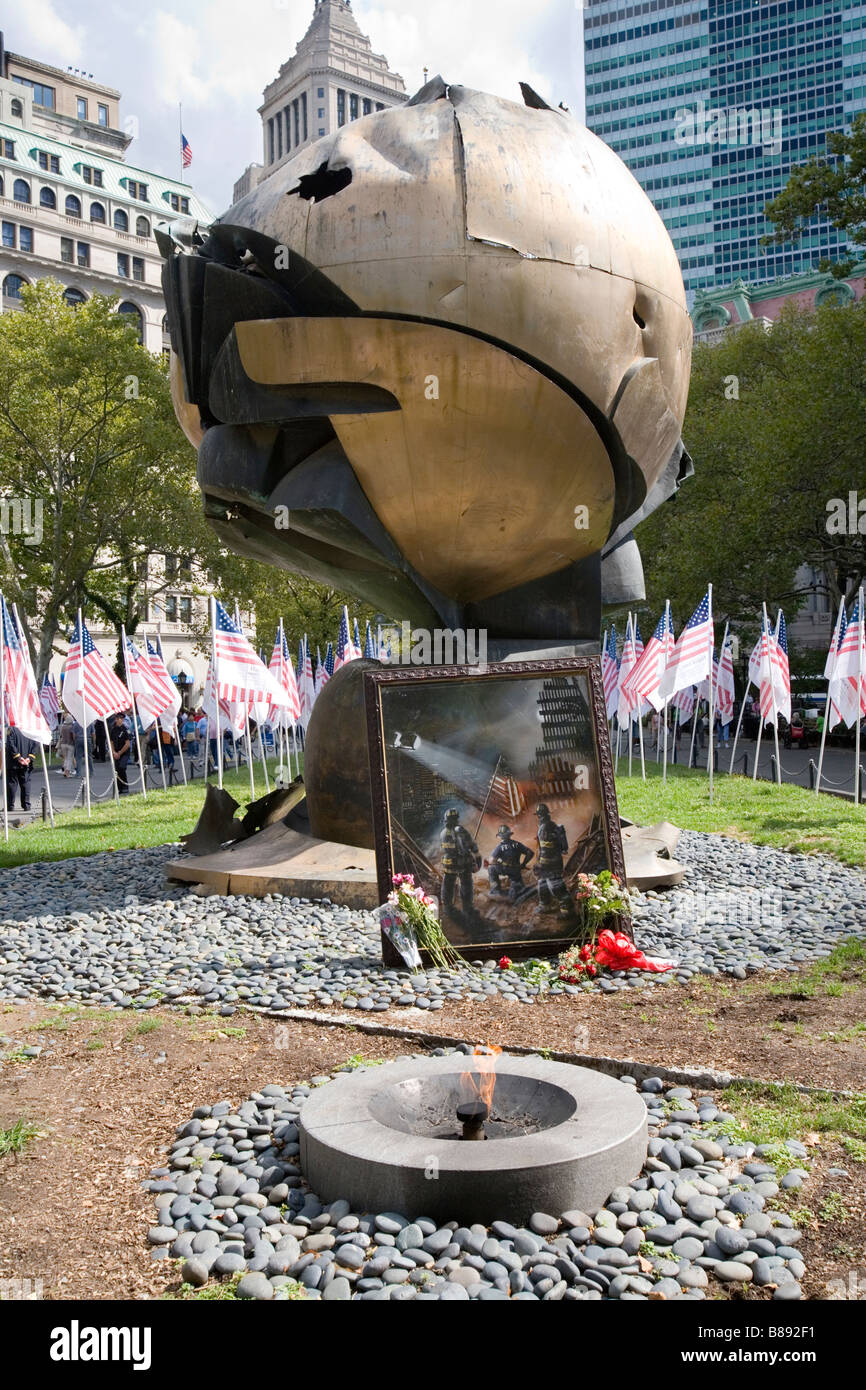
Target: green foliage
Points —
{"points": [[833, 185], [15, 1139], [358, 1060], [833, 1208], [775, 422]]}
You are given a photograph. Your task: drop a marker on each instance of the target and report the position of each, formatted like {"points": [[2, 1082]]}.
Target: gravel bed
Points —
{"points": [[704, 1213], [108, 931]]}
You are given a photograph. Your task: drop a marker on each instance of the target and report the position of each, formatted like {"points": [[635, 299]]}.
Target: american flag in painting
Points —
{"points": [[50, 701], [610, 673], [691, 661], [91, 690], [240, 675], [23, 709]]}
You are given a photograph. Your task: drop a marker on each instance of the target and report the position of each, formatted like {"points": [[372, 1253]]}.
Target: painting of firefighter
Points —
{"points": [[494, 791]]}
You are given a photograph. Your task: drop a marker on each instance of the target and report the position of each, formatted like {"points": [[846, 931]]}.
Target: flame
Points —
{"points": [[482, 1080]]}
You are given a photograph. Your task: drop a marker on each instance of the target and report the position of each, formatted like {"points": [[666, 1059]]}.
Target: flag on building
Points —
{"points": [[848, 683], [147, 684], [91, 690], [50, 701], [610, 673], [692, 656], [185, 151], [240, 675], [23, 709]]}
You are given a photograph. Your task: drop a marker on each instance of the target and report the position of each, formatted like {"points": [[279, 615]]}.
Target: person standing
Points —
{"points": [[66, 744], [120, 746], [81, 744], [20, 757]]}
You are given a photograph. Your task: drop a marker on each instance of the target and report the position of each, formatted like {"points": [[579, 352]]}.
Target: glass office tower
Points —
{"points": [[711, 102]]}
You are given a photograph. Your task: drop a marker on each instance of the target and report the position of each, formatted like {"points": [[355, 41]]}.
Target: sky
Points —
{"points": [[216, 56]]}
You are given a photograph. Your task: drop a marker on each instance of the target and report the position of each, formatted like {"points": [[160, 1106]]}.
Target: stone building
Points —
{"points": [[333, 78]]}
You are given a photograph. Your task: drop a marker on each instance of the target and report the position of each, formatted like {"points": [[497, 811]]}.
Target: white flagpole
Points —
{"points": [[216, 694], [247, 734], [835, 640], [3, 733], [630, 638], [26, 654], [712, 716], [665, 706], [695, 707], [764, 638], [263, 758], [158, 735], [141, 765], [739, 726], [177, 740], [859, 698], [84, 713], [110, 751], [775, 711]]}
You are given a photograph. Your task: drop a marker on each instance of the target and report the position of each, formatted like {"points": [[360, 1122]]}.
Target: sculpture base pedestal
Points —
{"points": [[280, 860]]}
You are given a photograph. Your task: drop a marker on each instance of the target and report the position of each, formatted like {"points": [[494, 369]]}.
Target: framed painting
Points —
{"points": [[494, 788]]}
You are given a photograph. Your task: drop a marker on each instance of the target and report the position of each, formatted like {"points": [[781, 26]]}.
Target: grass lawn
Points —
{"points": [[132, 823], [786, 817]]}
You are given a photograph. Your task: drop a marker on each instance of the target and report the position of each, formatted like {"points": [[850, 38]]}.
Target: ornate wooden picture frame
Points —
{"points": [[494, 787]]}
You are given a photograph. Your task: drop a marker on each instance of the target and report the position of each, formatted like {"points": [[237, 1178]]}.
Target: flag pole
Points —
{"points": [[739, 726], [141, 764], [835, 647], [158, 730], [180, 142], [84, 712], [630, 630], [180, 751], [247, 734], [712, 716], [665, 705], [764, 638], [859, 706], [26, 655], [262, 755], [775, 710], [110, 751], [695, 707], [216, 695]]}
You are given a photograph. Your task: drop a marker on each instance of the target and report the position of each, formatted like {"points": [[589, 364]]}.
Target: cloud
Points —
{"points": [[40, 30]]}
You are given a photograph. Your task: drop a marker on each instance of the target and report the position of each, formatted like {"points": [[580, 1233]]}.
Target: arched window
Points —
{"points": [[21, 191], [12, 286], [74, 296], [121, 221], [142, 226], [47, 198], [17, 107], [97, 212], [73, 205], [133, 316]]}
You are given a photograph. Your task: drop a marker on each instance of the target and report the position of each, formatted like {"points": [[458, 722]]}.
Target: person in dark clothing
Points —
{"points": [[100, 749], [20, 757], [120, 747]]}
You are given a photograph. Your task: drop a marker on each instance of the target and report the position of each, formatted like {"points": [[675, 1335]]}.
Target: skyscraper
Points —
{"points": [[711, 102]]}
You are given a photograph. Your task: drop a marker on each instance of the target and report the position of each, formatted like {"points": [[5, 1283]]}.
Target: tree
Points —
{"points": [[89, 438], [775, 422], [833, 186]]}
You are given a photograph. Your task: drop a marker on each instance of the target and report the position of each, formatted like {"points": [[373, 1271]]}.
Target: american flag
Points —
{"points": [[725, 691], [782, 668], [146, 684], [345, 649], [627, 703], [691, 660], [830, 664], [356, 645], [240, 676], [229, 717], [847, 680], [91, 690], [329, 660], [321, 677], [369, 645], [50, 701], [307, 684], [156, 662], [23, 710], [282, 672], [646, 676], [610, 673], [684, 701], [185, 151], [767, 684]]}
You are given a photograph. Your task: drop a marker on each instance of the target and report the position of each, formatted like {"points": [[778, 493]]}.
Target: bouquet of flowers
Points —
{"points": [[417, 915], [600, 897]]}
